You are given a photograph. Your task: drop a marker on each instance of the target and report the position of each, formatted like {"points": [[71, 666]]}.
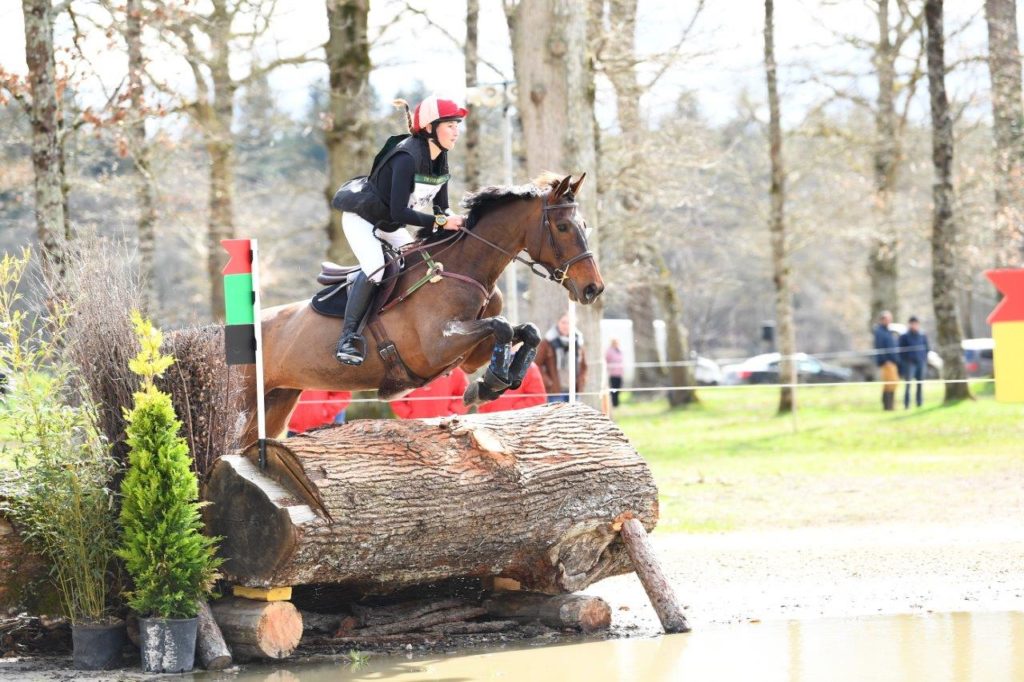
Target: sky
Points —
{"points": [[722, 58]]}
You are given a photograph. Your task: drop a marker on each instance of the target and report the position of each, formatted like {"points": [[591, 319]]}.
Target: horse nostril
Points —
{"points": [[591, 292]]}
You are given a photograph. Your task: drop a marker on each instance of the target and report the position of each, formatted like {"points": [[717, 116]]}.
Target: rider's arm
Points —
{"points": [[402, 174], [441, 200]]}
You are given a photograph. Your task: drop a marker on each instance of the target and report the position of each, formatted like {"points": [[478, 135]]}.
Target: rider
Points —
{"points": [[407, 187]]}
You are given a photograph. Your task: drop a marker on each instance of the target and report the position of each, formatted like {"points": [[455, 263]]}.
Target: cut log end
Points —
{"points": [[576, 611], [256, 629]]}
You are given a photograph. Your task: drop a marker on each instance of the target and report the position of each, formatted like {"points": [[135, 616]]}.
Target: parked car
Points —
{"points": [[764, 369], [707, 372], [978, 356]]}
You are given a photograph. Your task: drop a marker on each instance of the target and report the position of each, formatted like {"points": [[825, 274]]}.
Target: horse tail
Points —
{"points": [[398, 103]]}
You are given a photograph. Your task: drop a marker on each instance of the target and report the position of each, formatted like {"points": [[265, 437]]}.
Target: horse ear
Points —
{"points": [[575, 187], [560, 188]]}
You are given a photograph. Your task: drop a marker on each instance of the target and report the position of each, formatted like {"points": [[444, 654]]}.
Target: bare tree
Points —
{"points": [[44, 110], [944, 228], [204, 36], [552, 52], [472, 137], [1004, 66], [777, 224], [348, 139], [145, 188], [883, 267]]}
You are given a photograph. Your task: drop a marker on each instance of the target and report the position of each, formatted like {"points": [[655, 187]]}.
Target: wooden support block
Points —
{"points": [[506, 585], [658, 589], [263, 593], [256, 629]]}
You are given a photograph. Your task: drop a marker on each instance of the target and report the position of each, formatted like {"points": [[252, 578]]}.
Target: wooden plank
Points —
{"points": [[263, 593]]}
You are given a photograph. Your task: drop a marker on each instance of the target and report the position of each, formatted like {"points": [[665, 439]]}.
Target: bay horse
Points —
{"points": [[451, 321]]}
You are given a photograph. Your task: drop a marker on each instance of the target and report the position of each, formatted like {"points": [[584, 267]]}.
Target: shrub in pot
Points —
{"points": [[59, 496], [172, 565]]}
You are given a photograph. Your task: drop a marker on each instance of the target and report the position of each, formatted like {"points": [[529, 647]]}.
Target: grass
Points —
{"points": [[840, 437]]}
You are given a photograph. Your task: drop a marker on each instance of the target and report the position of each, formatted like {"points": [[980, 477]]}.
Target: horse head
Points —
{"points": [[559, 242]]}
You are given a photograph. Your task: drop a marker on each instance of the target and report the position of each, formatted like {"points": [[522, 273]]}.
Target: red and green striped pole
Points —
{"points": [[243, 343]]}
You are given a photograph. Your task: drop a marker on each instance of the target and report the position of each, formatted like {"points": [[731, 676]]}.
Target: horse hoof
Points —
{"points": [[472, 395]]}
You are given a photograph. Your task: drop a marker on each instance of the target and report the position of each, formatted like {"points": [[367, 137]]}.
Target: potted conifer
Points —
{"points": [[59, 494], [171, 563]]}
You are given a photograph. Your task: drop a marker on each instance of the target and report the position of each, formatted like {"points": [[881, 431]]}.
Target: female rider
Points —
{"points": [[407, 187]]}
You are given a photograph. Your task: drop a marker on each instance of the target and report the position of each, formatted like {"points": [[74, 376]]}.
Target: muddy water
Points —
{"points": [[935, 648]]}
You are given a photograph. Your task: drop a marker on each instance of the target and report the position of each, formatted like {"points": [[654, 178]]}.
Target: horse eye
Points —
{"points": [[562, 227]]}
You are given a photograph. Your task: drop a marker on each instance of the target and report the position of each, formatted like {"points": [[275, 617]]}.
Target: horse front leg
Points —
{"points": [[529, 336], [496, 379]]}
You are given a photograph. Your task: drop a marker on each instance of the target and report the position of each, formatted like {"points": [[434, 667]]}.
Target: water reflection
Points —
{"points": [[956, 647]]}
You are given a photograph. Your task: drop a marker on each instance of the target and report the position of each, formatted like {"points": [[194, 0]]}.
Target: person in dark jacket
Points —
{"points": [[887, 359], [553, 360], [913, 359], [407, 187]]}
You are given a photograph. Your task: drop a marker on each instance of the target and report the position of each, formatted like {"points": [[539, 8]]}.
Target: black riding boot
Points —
{"points": [[352, 345]]}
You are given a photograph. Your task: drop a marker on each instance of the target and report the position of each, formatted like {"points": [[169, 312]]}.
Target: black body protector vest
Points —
{"points": [[363, 195]]}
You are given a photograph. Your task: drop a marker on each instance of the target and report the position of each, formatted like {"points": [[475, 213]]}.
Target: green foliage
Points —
{"points": [[171, 563], [59, 496]]}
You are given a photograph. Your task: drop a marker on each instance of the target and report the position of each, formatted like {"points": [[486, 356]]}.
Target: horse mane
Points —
{"points": [[487, 199]]}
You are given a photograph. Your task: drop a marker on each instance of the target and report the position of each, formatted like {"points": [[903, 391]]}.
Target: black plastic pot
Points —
{"points": [[168, 644], [97, 647]]}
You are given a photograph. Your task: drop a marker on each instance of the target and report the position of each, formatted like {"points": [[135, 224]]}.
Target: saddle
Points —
{"points": [[330, 301]]}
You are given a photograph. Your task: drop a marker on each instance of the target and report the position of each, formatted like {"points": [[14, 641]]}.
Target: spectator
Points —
{"points": [[913, 359], [445, 398], [887, 359], [553, 360], [316, 408], [613, 361], [530, 393]]}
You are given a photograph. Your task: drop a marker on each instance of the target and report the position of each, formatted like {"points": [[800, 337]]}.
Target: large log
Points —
{"points": [[378, 505], [258, 629]]}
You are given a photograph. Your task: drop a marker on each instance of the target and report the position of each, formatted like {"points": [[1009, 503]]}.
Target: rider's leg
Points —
{"points": [[359, 233]]}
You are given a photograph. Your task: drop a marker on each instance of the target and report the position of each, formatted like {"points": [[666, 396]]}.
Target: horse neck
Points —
{"points": [[506, 227]]}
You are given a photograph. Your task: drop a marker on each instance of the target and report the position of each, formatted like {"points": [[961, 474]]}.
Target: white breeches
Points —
{"points": [[366, 246]]}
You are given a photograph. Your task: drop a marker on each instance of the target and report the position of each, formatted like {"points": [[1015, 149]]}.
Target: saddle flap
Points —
{"points": [[332, 273]]}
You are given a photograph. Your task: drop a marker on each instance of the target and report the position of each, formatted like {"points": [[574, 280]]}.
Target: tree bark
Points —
{"points": [[780, 256], [210, 645], [677, 342], [944, 228], [553, 58], [258, 629], [882, 259], [145, 187], [380, 505], [577, 611], [471, 140], [349, 141], [45, 115], [1004, 64]]}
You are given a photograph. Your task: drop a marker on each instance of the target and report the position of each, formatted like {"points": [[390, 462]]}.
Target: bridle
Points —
{"points": [[558, 274]]}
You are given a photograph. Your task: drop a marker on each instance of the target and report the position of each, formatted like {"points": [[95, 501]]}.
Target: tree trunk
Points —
{"points": [[677, 343], [642, 309], [944, 229], [577, 611], [780, 257], [47, 155], [349, 141], [553, 59], [258, 629], [145, 188], [380, 505], [882, 259], [1004, 66], [471, 140]]}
